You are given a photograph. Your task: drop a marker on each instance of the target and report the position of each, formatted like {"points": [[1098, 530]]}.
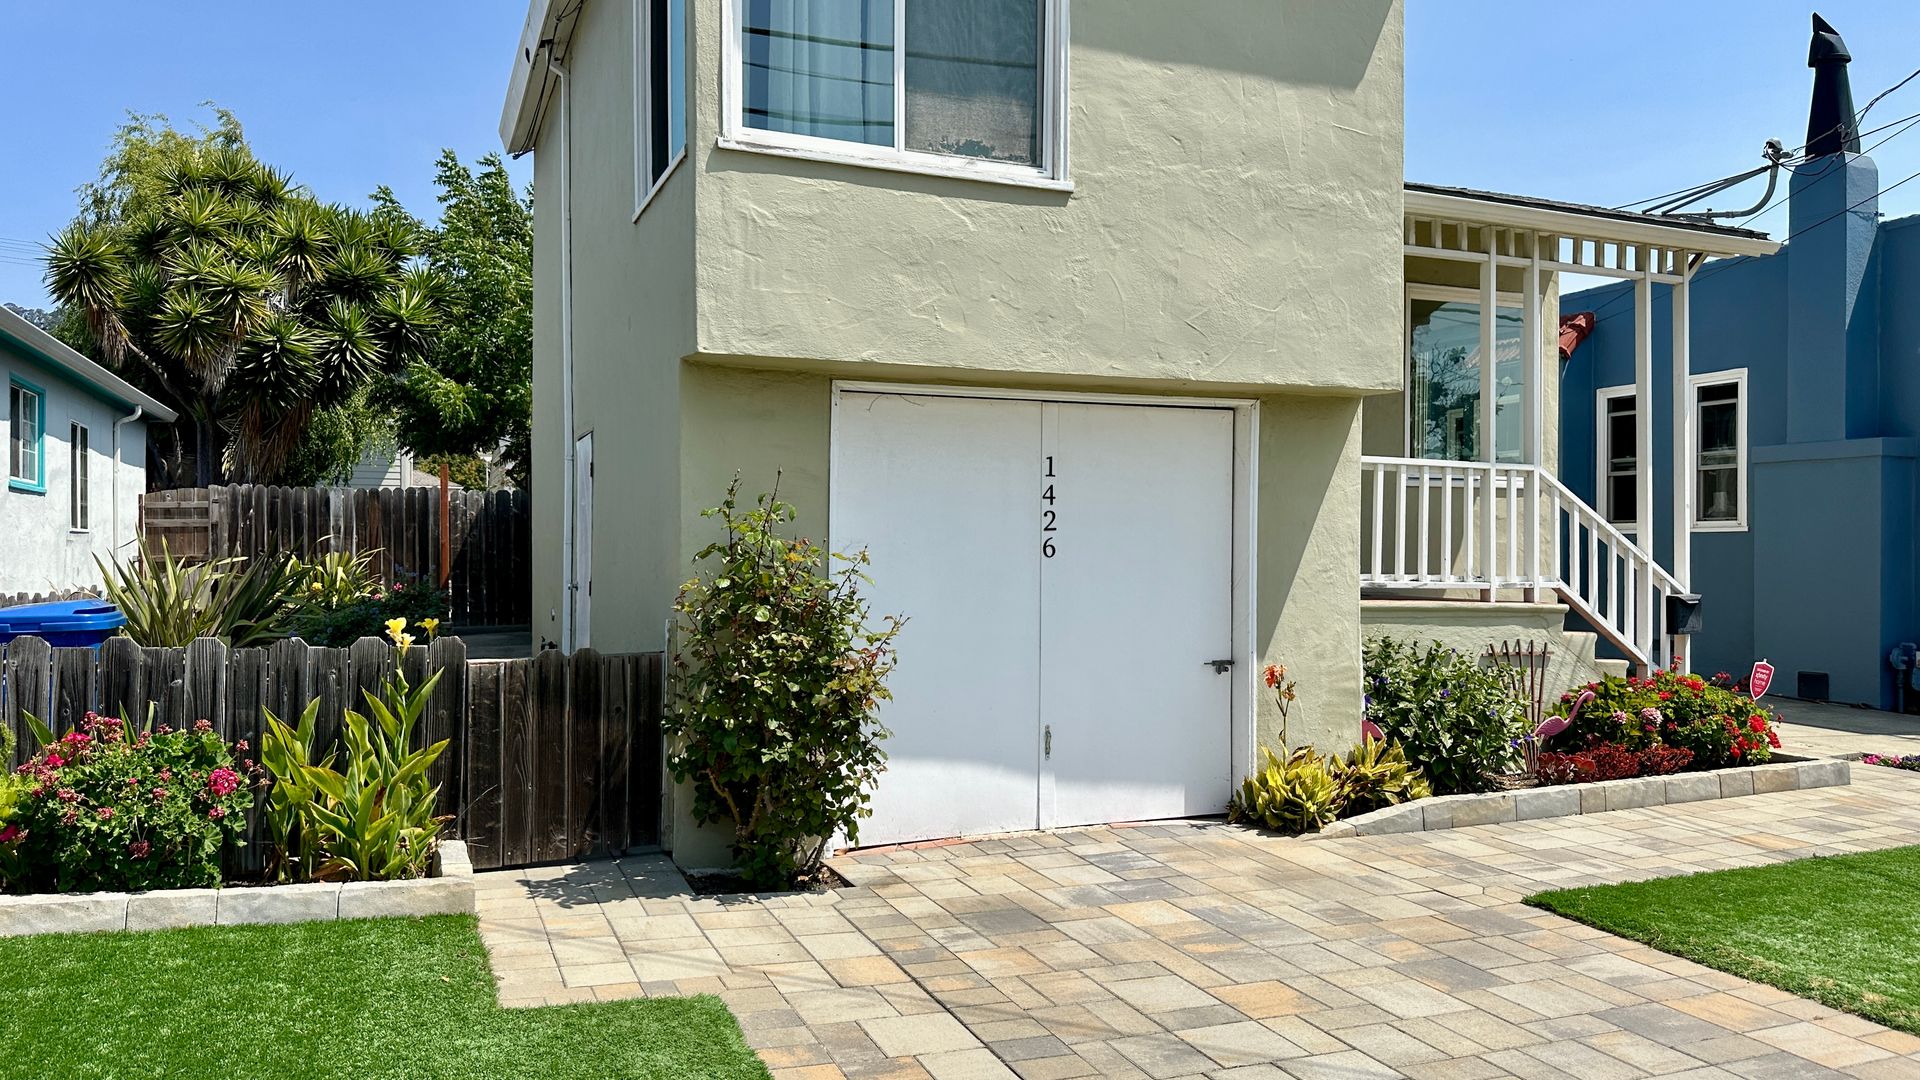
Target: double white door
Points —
{"points": [[1066, 569]]}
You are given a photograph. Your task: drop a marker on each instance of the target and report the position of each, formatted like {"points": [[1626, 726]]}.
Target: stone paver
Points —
{"points": [[1197, 949]]}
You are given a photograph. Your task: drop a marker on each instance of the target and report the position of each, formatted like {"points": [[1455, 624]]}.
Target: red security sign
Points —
{"points": [[1761, 678]]}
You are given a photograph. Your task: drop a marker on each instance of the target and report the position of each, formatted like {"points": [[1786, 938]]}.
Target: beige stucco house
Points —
{"points": [[1110, 329]]}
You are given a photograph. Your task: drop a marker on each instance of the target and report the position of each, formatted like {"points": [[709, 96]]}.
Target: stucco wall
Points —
{"points": [[632, 322], [1236, 220], [39, 551], [1471, 627]]}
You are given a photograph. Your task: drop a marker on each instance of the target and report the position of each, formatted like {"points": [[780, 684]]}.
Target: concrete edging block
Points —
{"points": [[170, 909], [1569, 800], [317, 901], [62, 913]]}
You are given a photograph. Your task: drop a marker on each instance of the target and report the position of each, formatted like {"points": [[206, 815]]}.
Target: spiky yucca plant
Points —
{"points": [[220, 286]]}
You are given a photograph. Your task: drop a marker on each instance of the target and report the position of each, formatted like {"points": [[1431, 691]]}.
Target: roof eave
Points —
{"points": [[527, 85], [1570, 223], [56, 354]]}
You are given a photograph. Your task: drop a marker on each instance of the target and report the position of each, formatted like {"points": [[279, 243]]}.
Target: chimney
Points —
{"points": [[1833, 213]]}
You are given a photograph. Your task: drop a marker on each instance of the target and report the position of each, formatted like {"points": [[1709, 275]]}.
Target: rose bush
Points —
{"points": [[108, 807]]}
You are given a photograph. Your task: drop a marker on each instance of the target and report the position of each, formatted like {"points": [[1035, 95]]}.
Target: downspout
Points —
{"points": [[566, 354], [113, 481]]}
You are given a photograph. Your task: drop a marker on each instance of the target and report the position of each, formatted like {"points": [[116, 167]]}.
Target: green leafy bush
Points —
{"points": [[109, 807], [370, 819], [170, 603], [777, 676], [1719, 725], [1458, 720], [1377, 774], [419, 604], [333, 580]]}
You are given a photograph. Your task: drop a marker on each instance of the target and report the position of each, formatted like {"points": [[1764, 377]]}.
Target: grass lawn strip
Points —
{"points": [[372, 998], [1841, 930]]}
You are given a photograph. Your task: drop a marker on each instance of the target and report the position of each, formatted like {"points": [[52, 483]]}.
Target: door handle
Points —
{"points": [[1219, 666]]}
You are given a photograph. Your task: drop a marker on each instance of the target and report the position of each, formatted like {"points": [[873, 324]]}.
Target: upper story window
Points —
{"points": [[1720, 463], [659, 94], [26, 428], [1618, 451], [970, 88]]}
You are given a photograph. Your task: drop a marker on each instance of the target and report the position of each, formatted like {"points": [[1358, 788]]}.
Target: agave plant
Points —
{"points": [[212, 280], [168, 602]]}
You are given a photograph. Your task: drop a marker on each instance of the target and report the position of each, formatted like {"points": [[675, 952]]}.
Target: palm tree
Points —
{"points": [[220, 286]]}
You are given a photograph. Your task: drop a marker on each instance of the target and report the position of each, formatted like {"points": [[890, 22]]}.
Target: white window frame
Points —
{"points": [[643, 60], [79, 478], [1738, 378], [1051, 174], [35, 484], [1602, 490]]}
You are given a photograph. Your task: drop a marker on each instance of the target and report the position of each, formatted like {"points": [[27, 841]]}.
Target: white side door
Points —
{"points": [[942, 493], [1135, 600], [582, 586]]}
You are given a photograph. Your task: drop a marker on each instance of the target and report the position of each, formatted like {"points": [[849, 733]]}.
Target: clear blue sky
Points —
{"points": [[1604, 103]]}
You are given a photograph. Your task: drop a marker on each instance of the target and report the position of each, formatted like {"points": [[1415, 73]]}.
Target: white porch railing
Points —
{"points": [[1480, 526]]}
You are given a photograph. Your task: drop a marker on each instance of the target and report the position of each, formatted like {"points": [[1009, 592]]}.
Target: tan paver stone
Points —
{"points": [[1818, 1045], [1264, 999], [912, 1036], [864, 970], [1161, 994]]}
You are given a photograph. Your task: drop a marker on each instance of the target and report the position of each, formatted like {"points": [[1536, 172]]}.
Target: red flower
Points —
{"points": [[202, 726], [139, 848], [1736, 750], [67, 794], [54, 760], [11, 833], [1773, 739], [223, 781], [1665, 694], [217, 813], [1756, 723], [1272, 674], [105, 813]]}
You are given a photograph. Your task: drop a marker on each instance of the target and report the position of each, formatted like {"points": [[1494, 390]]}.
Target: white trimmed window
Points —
{"points": [[26, 428], [1720, 450], [79, 480], [974, 89], [659, 94], [1617, 485]]}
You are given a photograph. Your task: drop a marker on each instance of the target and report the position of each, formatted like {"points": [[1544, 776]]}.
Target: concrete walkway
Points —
{"points": [[1207, 950], [1816, 727]]}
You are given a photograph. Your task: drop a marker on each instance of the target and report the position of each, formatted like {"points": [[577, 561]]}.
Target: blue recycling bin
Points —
{"points": [[64, 624]]}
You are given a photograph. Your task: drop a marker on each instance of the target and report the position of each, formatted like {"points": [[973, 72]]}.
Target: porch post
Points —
{"points": [[1683, 439], [1489, 387], [1536, 386], [1643, 443]]}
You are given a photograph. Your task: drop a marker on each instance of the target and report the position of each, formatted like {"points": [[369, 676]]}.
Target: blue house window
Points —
{"points": [[26, 437]]}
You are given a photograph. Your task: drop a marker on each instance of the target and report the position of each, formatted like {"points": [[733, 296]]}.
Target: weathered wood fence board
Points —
{"points": [[488, 536], [15, 599], [548, 760]]}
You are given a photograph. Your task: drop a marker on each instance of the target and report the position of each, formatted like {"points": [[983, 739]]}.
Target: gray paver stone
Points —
{"points": [[1593, 799], [169, 909], [60, 914], [1532, 804], [1735, 782], [1488, 809], [1640, 791], [1814, 774], [310, 902], [1336, 831], [1405, 818], [1692, 787], [1437, 813], [1770, 778]]}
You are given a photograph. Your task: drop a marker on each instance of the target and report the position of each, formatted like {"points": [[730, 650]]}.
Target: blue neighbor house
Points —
{"points": [[1798, 430]]}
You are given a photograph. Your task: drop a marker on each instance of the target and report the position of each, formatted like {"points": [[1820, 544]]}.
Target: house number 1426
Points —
{"points": [[1048, 517]]}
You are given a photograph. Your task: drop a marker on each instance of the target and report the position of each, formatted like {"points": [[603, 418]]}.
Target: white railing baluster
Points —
{"points": [[1469, 550], [1446, 525], [1379, 518], [1423, 537], [1400, 522], [1513, 527]]}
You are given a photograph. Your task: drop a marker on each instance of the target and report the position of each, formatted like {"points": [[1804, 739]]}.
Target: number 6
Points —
{"points": [[1047, 548]]}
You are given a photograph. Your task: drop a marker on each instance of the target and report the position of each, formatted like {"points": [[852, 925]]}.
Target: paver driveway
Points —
{"points": [[1201, 949]]}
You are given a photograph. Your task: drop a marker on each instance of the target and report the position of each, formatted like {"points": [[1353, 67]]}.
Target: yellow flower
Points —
{"points": [[405, 641], [314, 587], [396, 628], [433, 627]]}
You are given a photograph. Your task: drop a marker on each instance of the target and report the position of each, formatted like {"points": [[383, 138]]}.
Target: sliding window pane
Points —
{"points": [[973, 78], [820, 67]]}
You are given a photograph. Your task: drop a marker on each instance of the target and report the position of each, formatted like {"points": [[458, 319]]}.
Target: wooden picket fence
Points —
{"points": [[489, 536], [16, 599], [549, 759]]}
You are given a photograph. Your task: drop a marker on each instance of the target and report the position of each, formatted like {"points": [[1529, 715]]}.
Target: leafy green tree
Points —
{"points": [[214, 282], [472, 391]]}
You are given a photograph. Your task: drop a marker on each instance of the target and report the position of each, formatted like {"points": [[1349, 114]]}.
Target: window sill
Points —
{"points": [[25, 487], [927, 165], [1719, 526]]}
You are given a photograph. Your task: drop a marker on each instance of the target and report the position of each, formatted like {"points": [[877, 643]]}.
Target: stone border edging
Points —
{"points": [[1568, 800], [450, 892]]}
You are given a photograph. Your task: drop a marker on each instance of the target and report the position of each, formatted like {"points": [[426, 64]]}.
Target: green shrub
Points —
{"points": [[1296, 795], [777, 675], [109, 807], [1458, 720], [372, 818], [333, 580], [420, 604], [1719, 725], [169, 603], [1376, 774]]}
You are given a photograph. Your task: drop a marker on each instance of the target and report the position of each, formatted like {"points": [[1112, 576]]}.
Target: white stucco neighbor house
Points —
{"points": [[76, 462], [1112, 329]]}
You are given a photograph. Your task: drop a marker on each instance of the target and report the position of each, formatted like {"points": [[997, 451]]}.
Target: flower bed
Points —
{"points": [[1910, 762]]}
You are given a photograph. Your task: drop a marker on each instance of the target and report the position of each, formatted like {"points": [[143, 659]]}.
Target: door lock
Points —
{"points": [[1219, 666]]}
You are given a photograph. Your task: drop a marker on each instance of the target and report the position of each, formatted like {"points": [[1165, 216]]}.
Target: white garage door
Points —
{"points": [[1066, 569]]}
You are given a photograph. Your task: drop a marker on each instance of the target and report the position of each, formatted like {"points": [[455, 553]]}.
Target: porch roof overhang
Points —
{"points": [[1461, 223]]}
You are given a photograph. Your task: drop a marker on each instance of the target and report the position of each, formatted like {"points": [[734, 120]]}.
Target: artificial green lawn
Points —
{"points": [[376, 998], [1844, 930]]}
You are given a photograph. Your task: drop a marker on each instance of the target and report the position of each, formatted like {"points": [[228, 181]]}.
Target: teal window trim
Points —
{"points": [[36, 485]]}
